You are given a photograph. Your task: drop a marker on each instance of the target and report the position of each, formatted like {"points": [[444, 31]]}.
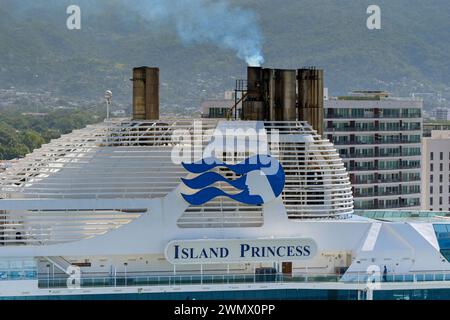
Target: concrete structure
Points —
{"points": [[429, 126], [378, 137], [218, 108], [436, 171], [441, 114]]}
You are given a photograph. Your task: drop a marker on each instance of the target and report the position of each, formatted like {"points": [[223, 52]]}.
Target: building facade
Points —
{"points": [[441, 114], [436, 171], [219, 108], [379, 139], [429, 126]]}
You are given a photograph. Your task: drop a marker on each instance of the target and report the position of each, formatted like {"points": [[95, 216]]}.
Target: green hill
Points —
{"points": [[410, 54]]}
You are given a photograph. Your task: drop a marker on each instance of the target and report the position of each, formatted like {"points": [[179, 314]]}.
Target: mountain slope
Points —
{"points": [[410, 53]]}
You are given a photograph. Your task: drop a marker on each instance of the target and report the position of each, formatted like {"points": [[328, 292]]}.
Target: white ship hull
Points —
{"points": [[129, 238]]}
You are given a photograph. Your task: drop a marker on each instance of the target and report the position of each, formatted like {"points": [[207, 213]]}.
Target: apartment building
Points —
{"points": [[436, 171], [379, 139]]}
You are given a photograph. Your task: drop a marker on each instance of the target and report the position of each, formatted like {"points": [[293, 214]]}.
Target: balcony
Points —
{"points": [[390, 206], [375, 142], [369, 129], [373, 181], [372, 115], [379, 155], [379, 168], [372, 168], [384, 193]]}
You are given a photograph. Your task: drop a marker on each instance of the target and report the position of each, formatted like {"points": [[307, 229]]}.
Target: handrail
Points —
{"points": [[238, 278], [230, 110]]}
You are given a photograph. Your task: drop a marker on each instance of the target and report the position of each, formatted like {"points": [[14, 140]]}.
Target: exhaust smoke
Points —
{"points": [[206, 21]]}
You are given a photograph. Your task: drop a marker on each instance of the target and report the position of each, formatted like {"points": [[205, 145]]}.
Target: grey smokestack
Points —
{"points": [[310, 98], [253, 107], [285, 96], [145, 93], [271, 95]]}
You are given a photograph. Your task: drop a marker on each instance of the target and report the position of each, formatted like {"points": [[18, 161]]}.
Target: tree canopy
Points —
{"points": [[21, 133]]}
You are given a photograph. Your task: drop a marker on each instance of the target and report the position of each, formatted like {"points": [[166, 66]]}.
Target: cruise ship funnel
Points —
{"points": [[145, 93], [310, 97], [284, 95]]}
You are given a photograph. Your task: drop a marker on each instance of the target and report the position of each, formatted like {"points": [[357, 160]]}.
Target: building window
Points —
{"points": [[431, 189], [441, 167], [441, 178], [440, 189], [431, 178], [431, 167], [431, 156], [440, 200], [431, 201], [441, 156]]}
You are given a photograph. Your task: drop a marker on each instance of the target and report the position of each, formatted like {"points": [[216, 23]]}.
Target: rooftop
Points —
{"points": [[373, 95], [365, 95], [440, 134]]}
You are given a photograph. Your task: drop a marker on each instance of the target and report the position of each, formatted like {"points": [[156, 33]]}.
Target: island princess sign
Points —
{"points": [[239, 251]]}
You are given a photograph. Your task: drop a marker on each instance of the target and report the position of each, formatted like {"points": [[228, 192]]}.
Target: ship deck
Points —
{"points": [[206, 286], [405, 215]]}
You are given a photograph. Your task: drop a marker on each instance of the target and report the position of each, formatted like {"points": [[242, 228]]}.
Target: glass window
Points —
{"points": [[441, 178], [431, 189], [431, 167], [431, 201], [441, 156], [440, 228], [441, 167], [431, 178], [431, 156]]}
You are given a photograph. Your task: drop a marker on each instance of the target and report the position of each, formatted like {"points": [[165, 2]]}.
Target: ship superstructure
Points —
{"points": [[167, 205]]}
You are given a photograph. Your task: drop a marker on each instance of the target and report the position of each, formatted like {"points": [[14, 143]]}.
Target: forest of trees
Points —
{"points": [[20, 133]]}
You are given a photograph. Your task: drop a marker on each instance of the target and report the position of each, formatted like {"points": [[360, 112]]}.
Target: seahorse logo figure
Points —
{"points": [[262, 180]]}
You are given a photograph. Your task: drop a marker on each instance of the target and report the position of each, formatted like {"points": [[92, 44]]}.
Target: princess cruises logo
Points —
{"points": [[261, 180]]}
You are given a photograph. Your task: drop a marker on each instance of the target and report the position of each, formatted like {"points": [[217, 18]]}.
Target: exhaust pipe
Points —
{"points": [[145, 93]]}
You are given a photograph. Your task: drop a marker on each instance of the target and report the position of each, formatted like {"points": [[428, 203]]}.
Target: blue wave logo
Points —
{"points": [[261, 180]]}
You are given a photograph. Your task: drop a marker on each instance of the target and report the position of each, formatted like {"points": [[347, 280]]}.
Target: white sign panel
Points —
{"points": [[239, 250]]}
